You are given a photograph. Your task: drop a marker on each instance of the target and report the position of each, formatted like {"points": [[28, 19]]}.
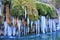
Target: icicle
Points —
{"points": [[54, 25], [13, 21], [14, 31], [59, 19], [5, 28], [31, 23], [46, 25], [24, 30], [58, 26], [28, 21], [25, 13], [50, 25], [19, 24], [43, 25], [38, 26], [9, 30]]}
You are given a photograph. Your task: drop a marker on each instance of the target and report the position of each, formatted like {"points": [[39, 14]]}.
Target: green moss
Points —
{"points": [[41, 8], [44, 9], [17, 11]]}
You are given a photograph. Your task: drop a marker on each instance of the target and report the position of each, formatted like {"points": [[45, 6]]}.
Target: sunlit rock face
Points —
{"points": [[45, 0], [48, 1]]}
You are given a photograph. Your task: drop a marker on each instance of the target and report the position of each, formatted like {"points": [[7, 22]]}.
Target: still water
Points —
{"points": [[47, 36]]}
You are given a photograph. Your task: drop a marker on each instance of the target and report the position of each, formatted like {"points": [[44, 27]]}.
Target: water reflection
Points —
{"points": [[47, 36]]}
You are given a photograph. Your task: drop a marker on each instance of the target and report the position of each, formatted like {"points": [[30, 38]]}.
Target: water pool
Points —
{"points": [[47, 36]]}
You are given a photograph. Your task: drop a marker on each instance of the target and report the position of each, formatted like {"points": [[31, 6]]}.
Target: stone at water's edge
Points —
{"points": [[47, 36], [58, 27]]}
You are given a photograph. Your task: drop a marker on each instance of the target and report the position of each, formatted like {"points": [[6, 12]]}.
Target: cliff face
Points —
{"points": [[55, 3], [0, 8], [5, 9], [1, 15]]}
